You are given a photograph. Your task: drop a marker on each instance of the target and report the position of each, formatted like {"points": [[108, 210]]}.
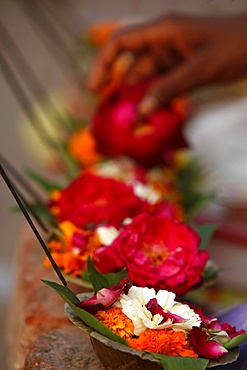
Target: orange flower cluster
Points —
{"points": [[165, 341], [83, 147], [117, 322], [68, 256]]}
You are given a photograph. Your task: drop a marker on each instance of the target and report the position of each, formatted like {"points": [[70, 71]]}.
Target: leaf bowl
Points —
{"points": [[117, 356]]}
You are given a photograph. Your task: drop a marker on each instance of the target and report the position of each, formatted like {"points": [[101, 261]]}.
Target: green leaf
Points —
{"points": [[234, 342], [116, 278], [43, 212], [194, 203], [73, 124], [189, 183], [64, 292], [99, 280], [44, 183], [72, 164], [91, 321], [210, 274], [205, 232], [182, 363]]}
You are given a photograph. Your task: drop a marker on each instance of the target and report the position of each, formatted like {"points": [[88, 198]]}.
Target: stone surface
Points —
{"points": [[64, 348], [40, 336]]}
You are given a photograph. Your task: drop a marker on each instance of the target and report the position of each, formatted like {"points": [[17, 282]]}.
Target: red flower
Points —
{"points": [[91, 199], [157, 252], [119, 131], [204, 346]]}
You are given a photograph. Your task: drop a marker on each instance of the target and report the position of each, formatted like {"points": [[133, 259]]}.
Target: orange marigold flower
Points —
{"points": [[117, 322], [74, 264], [165, 341], [55, 245], [54, 211], [83, 147], [55, 194], [93, 243], [58, 257], [68, 229], [72, 248]]}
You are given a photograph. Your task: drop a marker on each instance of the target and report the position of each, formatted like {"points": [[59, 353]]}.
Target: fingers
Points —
{"points": [[143, 67], [130, 40], [100, 71], [197, 71]]}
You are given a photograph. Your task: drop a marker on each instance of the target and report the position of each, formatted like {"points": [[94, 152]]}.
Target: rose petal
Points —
{"points": [[155, 308], [204, 346], [104, 298]]}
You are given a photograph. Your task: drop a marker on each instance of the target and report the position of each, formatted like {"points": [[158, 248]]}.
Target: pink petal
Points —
{"points": [[155, 308], [204, 346], [104, 298]]}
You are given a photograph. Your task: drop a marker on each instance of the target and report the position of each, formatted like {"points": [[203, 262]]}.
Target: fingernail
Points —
{"points": [[148, 105]]}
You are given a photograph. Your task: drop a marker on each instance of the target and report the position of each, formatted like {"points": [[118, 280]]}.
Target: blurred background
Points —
{"points": [[37, 40]]}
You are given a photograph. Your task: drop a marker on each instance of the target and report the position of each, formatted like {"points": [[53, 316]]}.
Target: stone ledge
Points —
{"points": [[40, 336]]}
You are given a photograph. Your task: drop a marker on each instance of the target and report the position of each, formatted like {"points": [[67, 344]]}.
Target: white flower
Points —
{"points": [[107, 234], [146, 193], [134, 306], [108, 169], [127, 221]]}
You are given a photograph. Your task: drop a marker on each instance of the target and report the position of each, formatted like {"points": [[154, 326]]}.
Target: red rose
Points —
{"points": [[118, 130], [91, 199], [157, 252]]}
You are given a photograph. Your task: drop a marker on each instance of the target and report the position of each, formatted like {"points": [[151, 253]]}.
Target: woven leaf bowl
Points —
{"points": [[116, 356]]}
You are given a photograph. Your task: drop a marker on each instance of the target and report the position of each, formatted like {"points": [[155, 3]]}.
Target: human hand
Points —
{"points": [[189, 52]]}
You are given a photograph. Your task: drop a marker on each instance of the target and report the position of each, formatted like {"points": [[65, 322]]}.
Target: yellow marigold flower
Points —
{"points": [[165, 341], [83, 147], [117, 322]]}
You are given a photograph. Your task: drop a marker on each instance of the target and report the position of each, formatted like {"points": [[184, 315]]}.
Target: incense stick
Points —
{"points": [[20, 179], [31, 224], [23, 100], [29, 208]]}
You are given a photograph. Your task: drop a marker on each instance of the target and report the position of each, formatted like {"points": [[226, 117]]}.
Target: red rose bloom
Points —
{"points": [[118, 130], [157, 252], [91, 199]]}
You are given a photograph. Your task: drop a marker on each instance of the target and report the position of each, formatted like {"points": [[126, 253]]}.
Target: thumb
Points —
{"points": [[194, 72]]}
